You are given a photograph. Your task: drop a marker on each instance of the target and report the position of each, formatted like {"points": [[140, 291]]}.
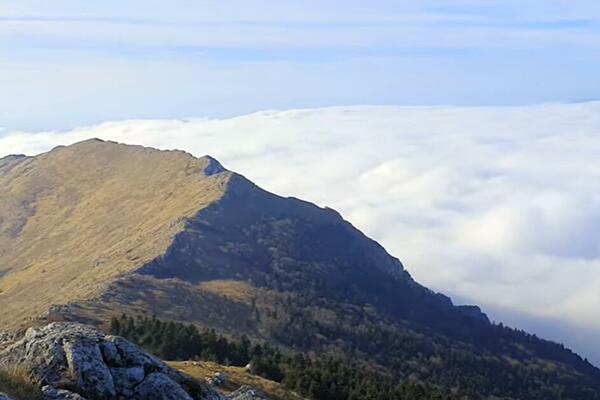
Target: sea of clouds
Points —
{"points": [[494, 206]]}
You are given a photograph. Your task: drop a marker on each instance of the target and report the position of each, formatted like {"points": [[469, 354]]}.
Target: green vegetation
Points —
{"points": [[322, 287], [173, 341], [326, 378]]}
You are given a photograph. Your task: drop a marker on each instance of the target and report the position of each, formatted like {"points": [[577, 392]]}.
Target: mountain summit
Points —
{"points": [[76, 218], [98, 228]]}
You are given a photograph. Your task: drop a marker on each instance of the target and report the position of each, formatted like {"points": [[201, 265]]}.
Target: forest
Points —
{"points": [[322, 378], [338, 376]]}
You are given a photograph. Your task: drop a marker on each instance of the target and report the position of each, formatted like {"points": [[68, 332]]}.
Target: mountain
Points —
{"points": [[78, 217], [97, 229]]}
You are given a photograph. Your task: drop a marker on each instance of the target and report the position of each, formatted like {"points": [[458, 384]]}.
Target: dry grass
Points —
{"points": [[75, 218], [17, 385], [237, 291], [169, 299], [236, 377]]}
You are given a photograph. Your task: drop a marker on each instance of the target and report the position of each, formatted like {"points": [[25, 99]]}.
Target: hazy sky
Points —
{"points": [[67, 63]]}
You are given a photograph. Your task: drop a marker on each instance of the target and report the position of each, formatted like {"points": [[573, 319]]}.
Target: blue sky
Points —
{"points": [[68, 63]]}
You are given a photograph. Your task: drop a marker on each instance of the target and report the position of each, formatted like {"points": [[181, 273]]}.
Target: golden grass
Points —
{"points": [[75, 218], [238, 291], [236, 377], [16, 384]]}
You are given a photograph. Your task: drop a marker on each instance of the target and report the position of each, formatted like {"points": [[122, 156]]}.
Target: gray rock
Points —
{"points": [[88, 370], [218, 379], [50, 393], [159, 386], [126, 379], [131, 355], [4, 397], [77, 362], [213, 167], [248, 393], [111, 354], [6, 339]]}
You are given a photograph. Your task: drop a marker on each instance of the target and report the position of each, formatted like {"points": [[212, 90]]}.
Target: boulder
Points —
{"points": [[248, 393], [158, 386], [126, 379], [77, 362], [88, 369], [51, 393]]}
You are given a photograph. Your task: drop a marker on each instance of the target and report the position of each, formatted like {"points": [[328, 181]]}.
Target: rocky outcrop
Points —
{"points": [[51, 393], [248, 393], [474, 312], [78, 362]]}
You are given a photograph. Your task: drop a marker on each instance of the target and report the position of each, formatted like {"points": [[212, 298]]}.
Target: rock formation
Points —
{"points": [[248, 393], [78, 362]]}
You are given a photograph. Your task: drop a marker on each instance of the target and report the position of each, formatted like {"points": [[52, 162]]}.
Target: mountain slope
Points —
{"points": [[75, 218], [99, 228], [236, 377]]}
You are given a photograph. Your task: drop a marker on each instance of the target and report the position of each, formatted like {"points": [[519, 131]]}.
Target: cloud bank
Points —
{"points": [[498, 206]]}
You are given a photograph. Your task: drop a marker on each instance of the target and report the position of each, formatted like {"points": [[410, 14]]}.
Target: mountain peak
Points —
{"points": [[106, 207], [214, 167], [108, 147], [11, 159]]}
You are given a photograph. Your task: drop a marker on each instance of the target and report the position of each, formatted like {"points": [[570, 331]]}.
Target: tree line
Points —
{"points": [[318, 378]]}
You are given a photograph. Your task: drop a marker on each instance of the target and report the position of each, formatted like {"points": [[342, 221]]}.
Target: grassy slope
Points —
{"points": [[236, 377], [17, 385], [73, 219]]}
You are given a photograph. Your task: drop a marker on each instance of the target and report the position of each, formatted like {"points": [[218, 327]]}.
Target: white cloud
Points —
{"points": [[500, 206]]}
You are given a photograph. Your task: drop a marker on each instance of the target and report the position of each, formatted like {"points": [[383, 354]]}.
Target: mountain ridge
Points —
{"points": [[53, 187], [99, 228]]}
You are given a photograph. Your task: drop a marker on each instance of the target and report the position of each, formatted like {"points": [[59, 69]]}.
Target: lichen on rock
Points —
{"points": [[72, 361]]}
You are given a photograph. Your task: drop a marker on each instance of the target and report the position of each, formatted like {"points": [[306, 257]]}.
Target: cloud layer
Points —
{"points": [[498, 206]]}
